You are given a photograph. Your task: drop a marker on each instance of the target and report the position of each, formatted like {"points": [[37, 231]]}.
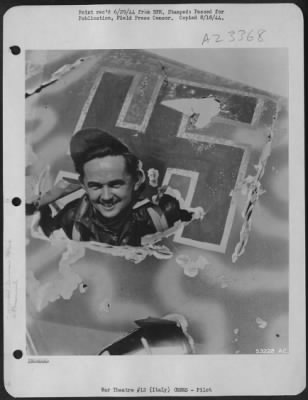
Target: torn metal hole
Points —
{"points": [[57, 75], [15, 50], [16, 201], [17, 354], [200, 111], [166, 335], [83, 287]]}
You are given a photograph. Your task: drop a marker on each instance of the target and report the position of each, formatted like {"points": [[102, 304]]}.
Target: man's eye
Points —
{"points": [[116, 185]]}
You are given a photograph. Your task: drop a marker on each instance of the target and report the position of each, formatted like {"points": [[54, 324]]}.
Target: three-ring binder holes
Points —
{"points": [[16, 201], [17, 354], [15, 50]]}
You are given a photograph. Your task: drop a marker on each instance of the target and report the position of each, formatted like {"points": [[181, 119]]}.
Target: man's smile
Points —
{"points": [[108, 204]]}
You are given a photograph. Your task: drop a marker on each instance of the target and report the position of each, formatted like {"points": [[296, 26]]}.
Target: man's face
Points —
{"points": [[109, 187]]}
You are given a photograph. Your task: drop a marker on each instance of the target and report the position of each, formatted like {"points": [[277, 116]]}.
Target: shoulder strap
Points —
{"points": [[141, 203], [158, 218], [80, 212]]}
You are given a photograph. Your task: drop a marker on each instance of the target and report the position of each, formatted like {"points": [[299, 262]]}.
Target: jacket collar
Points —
{"points": [[89, 217]]}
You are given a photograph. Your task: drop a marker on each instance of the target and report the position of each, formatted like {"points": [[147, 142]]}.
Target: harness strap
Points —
{"points": [[158, 219], [81, 210]]}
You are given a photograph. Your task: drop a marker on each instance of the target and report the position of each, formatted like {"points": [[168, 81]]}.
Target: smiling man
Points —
{"points": [[112, 209]]}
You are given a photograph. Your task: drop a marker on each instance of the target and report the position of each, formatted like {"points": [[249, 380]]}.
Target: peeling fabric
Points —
{"points": [[261, 323], [198, 214], [191, 268], [201, 111], [252, 186], [55, 76], [130, 253]]}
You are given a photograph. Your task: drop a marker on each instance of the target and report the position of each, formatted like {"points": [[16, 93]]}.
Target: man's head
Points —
{"points": [[108, 171]]}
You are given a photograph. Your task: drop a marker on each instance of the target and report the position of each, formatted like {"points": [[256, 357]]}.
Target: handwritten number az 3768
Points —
{"points": [[240, 35]]}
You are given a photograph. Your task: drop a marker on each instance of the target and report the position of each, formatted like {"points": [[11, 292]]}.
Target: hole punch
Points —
{"points": [[18, 354], [15, 50], [16, 201]]}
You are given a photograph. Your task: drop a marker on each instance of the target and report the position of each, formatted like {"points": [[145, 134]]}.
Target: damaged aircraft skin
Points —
{"points": [[216, 285]]}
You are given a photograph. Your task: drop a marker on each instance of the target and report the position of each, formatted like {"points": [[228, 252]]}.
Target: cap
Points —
{"points": [[87, 143]]}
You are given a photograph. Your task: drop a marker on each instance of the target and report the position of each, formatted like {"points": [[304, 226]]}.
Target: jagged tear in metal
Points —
{"points": [[254, 192], [155, 336]]}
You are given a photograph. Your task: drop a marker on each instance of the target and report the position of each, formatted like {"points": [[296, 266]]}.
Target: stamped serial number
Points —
{"points": [[265, 351], [280, 350]]}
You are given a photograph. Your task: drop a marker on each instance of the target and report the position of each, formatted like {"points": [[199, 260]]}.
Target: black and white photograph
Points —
{"points": [[157, 204]]}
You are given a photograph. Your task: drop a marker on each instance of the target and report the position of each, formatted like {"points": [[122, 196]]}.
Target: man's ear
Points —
{"points": [[140, 179]]}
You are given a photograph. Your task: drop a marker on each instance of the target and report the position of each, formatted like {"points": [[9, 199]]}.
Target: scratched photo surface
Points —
{"points": [[211, 127]]}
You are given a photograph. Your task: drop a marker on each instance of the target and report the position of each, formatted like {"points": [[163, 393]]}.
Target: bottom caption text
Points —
{"points": [[155, 389]]}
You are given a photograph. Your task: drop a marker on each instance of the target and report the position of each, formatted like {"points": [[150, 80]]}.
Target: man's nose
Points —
{"points": [[106, 193]]}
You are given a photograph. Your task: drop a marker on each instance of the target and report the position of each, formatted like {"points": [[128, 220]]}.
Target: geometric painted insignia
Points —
{"points": [[128, 103]]}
